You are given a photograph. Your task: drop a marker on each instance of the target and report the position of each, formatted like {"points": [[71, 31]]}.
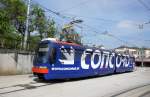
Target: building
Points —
{"points": [[134, 51], [147, 53], [142, 55]]}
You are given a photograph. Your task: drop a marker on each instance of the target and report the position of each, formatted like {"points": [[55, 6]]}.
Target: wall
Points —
{"points": [[15, 63]]}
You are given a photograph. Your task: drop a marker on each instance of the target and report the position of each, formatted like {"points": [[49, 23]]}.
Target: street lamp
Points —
{"points": [[76, 21], [69, 28]]}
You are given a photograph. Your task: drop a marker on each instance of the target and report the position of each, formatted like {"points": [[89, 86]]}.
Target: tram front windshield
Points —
{"points": [[42, 53]]}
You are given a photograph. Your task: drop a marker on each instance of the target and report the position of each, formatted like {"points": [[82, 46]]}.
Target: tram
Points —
{"points": [[62, 60]]}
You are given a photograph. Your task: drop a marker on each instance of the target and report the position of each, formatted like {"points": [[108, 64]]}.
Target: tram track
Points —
{"points": [[26, 86], [139, 91]]}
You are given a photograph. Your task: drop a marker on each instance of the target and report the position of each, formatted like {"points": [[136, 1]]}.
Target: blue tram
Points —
{"points": [[60, 60]]}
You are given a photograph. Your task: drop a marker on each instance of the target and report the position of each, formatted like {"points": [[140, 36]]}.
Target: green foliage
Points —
{"points": [[51, 29], [12, 18], [39, 22], [16, 13], [5, 26], [12, 25], [33, 42], [70, 35]]}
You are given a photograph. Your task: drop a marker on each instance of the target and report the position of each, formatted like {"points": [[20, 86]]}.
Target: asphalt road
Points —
{"points": [[132, 84]]}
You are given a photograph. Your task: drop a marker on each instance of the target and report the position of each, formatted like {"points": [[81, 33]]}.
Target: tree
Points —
{"points": [[16, 13], [5, 26], [7, 30], [12, 19], [45, 27], [51, 29], [38, 19]]}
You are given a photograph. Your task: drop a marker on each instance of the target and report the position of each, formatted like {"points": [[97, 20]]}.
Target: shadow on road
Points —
{"points": [[54, 81]]}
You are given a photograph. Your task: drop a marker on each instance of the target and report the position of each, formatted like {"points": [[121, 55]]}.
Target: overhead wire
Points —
{"points": [[96, 18], [72, 16], [75, 6], [147, 8], [101, 19], [94, 29], [51, 11], [143, 3], [58, 14]]}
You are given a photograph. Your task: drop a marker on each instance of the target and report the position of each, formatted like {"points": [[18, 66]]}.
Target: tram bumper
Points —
{"points": [[41, 70]]}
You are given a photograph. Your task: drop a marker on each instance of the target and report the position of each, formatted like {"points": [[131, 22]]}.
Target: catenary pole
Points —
{"points": [[27, 26]]}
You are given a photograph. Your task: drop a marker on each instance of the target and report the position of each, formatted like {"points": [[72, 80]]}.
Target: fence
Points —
{"points": [[17, 44]]}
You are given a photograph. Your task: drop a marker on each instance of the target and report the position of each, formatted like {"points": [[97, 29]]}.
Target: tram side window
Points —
{"points": [[52, 56]]}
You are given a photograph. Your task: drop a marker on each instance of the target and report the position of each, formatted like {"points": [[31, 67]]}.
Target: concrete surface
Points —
{"points": [[130, 84], [14, 63]]}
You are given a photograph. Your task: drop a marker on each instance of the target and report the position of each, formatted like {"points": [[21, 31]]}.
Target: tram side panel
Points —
{"points": [[96, 62], [64, 66], [124, 63], [107, 64], [86, 62]]}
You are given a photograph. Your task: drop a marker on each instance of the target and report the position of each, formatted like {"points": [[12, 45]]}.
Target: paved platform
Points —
{"points": [[120, 85]]}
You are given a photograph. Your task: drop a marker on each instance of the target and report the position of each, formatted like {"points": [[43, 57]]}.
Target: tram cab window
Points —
{"points": [[52, 57], [42, 53]]}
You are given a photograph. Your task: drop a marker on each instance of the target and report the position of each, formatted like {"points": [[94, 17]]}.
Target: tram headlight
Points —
{"points": [[42, 67]]}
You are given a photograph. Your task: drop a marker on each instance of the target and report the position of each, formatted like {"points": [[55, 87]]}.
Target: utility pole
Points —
{"points": [[142, 56], [141, 49], [27, 26]]}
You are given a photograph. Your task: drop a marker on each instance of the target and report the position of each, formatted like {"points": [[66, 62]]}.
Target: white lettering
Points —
{"points": [[107, 59], [118, 64], [102, 61], [127, 61], [83, 57], [65, 68], [110, 60], [94, 66]]}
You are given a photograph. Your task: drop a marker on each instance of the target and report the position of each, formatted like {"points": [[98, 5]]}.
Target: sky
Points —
{"points": [[111, 23]]}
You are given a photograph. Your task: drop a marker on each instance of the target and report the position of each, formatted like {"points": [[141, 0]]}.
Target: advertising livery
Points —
{"points": [[60, 60]]}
